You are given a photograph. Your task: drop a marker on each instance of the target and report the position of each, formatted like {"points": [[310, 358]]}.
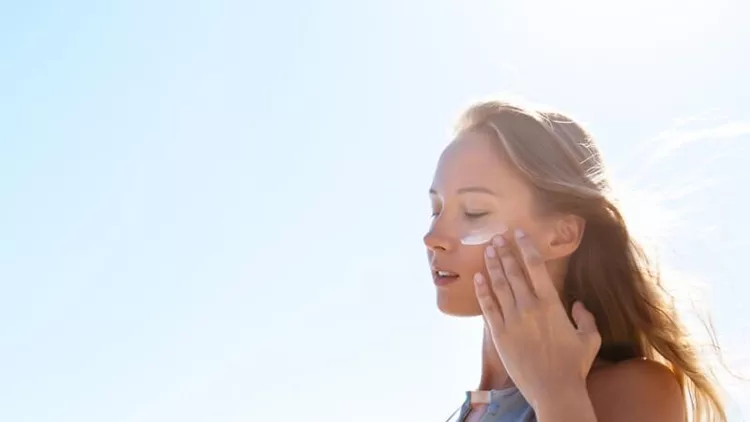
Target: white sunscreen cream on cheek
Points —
{"points": [[483, 235]]}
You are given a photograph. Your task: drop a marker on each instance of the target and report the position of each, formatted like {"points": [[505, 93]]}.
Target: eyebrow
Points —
{"points": [[470, 189]]}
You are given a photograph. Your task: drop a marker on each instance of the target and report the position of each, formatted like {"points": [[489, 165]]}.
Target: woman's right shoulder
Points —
{"points": [[640, 388]]}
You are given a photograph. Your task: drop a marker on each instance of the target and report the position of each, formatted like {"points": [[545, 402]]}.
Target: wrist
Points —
{"points": [[568, 403]]}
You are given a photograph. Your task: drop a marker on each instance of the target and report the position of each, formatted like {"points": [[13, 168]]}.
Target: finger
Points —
{"points": [[514, 273], [535, 267], [490, 309], [498, 281], [586, 325], [584, 320]]}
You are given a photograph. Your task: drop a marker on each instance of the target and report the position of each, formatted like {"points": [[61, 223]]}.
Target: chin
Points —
{"points": [[458, 308]]}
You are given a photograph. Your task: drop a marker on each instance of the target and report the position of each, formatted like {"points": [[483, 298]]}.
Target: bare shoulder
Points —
{"points": [[636, 390]]}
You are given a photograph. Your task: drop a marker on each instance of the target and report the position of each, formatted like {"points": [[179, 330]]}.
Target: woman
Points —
{"points": [[577, 327]]}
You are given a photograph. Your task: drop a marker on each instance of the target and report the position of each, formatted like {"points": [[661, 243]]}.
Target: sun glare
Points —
{"points": [[635, 24]]}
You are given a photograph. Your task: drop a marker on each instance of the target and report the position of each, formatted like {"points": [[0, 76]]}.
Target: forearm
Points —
{"points": [[574, 405]]}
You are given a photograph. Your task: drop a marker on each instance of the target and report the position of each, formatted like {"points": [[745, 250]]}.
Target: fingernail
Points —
{"points": [[490, 251], [478, 278], [519, 233], [498, 241]]}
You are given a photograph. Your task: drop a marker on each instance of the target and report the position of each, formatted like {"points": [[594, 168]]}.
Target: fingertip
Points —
{"points": [[583, 318], [490, 251], [578, 309]]}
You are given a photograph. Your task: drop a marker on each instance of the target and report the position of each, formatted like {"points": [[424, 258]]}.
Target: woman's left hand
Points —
{"points": [[542, 351]]}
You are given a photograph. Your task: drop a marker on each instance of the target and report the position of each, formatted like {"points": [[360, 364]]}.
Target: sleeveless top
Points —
{"points": [[506, 405], [509, 405]]}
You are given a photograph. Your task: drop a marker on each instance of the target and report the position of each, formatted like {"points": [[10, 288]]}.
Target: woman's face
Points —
{"points": [[474, 190]]}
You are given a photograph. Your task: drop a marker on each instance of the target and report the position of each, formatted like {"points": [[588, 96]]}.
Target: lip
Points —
{"points": [[443, 281]]}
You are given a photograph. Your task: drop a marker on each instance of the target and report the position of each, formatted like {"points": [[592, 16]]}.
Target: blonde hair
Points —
{"points": [[609, 272]]}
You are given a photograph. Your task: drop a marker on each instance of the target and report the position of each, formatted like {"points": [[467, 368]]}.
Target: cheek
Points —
{"points": [[472, 261]]}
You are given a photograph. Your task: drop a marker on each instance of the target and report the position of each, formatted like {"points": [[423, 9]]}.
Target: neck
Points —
{"points": [[494, 376]]}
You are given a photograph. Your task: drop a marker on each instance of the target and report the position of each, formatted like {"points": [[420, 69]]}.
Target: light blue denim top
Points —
{"points": [[506, 405]]}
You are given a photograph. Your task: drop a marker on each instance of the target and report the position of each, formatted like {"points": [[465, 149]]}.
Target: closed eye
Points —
{"points": [[475, 215]]}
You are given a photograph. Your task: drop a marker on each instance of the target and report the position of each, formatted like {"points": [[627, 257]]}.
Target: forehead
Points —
{"points": [[474, 159]]}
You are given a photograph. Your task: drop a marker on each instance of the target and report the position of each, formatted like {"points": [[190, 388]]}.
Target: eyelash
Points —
{"points": [[469, 215]]}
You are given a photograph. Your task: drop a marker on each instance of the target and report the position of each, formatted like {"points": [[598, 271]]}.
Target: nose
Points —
{"points": [[436, 242]]}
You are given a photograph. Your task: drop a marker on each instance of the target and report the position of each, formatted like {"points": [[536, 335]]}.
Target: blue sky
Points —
{"points": [[214, 210]]}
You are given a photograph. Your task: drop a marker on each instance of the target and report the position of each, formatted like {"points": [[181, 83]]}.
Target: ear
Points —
{"points": [[565, 236]]}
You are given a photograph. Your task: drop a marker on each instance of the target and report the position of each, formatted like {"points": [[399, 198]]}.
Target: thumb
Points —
{"points": [[585, 322]]}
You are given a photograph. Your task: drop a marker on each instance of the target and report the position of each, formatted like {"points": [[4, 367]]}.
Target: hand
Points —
{"points": [[541, 350]]}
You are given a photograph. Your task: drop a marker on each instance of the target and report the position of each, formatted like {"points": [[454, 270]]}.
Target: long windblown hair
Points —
{"points": [[609, 272]]}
